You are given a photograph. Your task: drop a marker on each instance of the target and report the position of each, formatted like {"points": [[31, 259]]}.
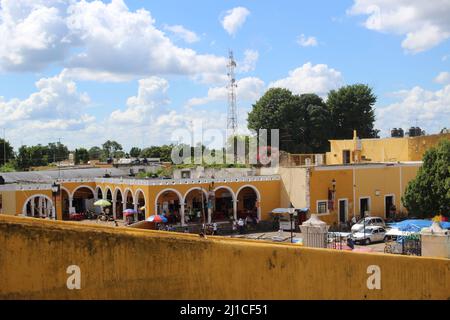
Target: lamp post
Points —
{"points": [[292, 214], [55, 191]]}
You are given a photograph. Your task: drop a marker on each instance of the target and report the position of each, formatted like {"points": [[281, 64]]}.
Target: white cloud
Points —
{"points": [[141, 109], [234, 19], [183, 33], [304, 41], [99, 41], [309, 78], [423, 24], [33, 33], [443, 78], [429, 109], [249, 89], [249, 62]]}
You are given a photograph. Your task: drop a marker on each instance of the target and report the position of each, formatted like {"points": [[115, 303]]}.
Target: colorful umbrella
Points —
{"points": [[129, 212], [102, 203], [157, 218]]}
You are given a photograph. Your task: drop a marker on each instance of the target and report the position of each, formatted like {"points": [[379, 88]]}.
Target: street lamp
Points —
{"points": [[55, 192], [292, 214]]}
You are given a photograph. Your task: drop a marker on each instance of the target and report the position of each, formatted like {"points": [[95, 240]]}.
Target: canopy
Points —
{"points": [[102, 203], [288, 210], [415, 225], [157, 218]]}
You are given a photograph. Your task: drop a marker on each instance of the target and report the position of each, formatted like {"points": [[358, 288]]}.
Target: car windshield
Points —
{"points": [[366, 230], [362, 221]]}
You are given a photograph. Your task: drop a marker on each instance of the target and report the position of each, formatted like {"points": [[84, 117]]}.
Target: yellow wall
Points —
{"points": [[320, 182], [119, 263], [385, 150], [369, 180], [8, 202]]}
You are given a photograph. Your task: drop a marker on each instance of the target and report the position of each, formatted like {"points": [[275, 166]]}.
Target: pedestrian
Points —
{"points": [[241, 225], [214, 228]]}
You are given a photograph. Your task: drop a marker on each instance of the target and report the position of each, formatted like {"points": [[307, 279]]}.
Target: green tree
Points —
{"points": [[81, 156], [303, 121], [351, 108], [429, 193], [135, 152], [5, 150], [111, 149], [95, 153]]}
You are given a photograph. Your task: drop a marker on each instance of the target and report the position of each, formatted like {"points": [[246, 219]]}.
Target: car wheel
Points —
{"points": [[367, 241]]}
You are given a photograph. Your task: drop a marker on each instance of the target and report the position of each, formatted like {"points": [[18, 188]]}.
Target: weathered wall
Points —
{"points": [[8, 202], [118, 263], [293, 187]]}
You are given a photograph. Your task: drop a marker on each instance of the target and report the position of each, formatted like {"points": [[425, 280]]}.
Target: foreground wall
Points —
{"points": [[118, 263]]}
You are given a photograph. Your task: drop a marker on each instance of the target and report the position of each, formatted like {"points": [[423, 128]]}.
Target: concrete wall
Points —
{"points": [[293, 187], [8, 202], [119, 263]]}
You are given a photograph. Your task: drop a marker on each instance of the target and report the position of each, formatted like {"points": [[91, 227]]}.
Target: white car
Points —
{"points": [[368, 222], [369, 235]]}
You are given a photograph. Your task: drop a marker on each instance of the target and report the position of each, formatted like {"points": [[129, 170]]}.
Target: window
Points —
{"points": [[322, 207]]}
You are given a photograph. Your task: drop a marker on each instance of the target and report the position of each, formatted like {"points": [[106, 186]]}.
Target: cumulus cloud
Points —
{"points": [[97, 40], [304, 41], [443, 78], [309, 78], [424, 25], [142, 108], [249, 62], [33, 33], [183, 33], [429, 109], [234, 19], [249, 89]]}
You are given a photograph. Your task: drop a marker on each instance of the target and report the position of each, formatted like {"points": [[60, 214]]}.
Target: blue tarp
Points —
{"points": [[415, 225]]}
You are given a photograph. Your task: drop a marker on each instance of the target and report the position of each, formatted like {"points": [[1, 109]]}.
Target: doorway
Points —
{"points": [[345, 156], [343, 210], [388, 202], [363, 206]]}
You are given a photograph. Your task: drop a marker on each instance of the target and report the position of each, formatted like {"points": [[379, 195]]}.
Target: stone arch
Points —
{"points": [[192, 189], [39, 195], [258, 198], [179, 195]]}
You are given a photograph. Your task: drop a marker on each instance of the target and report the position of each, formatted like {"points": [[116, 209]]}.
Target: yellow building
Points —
{"points": [[381, 150], [230, 198]]}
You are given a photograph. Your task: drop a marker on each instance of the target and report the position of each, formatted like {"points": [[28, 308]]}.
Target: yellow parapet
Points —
{"points": [[37, 258]]}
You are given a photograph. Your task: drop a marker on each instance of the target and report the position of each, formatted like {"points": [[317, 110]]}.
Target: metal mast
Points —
{"points": [[232, 112]]}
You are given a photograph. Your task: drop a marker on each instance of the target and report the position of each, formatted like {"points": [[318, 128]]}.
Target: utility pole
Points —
{"points": [[232, 108], [4, 146]]}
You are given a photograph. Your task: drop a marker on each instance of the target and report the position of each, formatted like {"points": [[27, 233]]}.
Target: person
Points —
{"points": [[354, 220], [214, 228], [350, 243], [392, 211], [241, 225], [186, 230]]}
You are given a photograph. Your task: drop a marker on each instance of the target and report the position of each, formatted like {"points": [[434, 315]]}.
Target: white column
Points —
{"points": [[135, 210], [70, 204], [183, 224], [209, 215], [40, 207], [235, 209], [32, 207], [114, 209]]}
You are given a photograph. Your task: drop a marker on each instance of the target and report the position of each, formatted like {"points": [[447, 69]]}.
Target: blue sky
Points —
{"points": [[136, 71]]}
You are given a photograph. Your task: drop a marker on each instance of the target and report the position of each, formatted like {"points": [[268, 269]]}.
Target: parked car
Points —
{"points": [[369, 235], [368, 222]]}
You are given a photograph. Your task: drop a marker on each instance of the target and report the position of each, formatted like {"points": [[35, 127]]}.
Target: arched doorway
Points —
{"points": [[65, 204], [194, 208], [38, 206], [118, 203], [109, 197], [223, 204], [168, 203], [141, 204], [99, 193], [248, 203], [83, 199]]}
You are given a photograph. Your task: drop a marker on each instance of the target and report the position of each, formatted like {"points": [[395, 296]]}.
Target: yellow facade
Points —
{"points": [[124, 263], [382, 150], [374, 182], [14, 201]]}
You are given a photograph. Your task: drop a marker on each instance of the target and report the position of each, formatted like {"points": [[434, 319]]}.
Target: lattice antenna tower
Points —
{"points": [[232, 108]]}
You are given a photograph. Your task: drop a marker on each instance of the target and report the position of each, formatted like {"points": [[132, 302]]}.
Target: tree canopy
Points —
{"points": [[429, 193], [5, 150], [306, 122]]}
